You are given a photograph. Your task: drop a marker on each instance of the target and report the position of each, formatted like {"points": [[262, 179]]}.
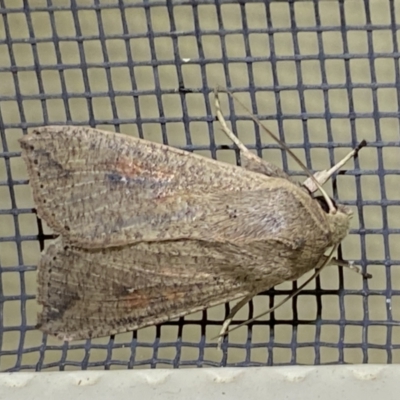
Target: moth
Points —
{"points": [[149, 233]]}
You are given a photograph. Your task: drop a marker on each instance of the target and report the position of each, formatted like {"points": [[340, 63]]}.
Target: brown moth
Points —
{"points": [[149, 232]]}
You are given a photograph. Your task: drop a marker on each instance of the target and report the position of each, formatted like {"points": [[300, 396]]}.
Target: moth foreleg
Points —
{"points": [[323, 176], [249, 160]]}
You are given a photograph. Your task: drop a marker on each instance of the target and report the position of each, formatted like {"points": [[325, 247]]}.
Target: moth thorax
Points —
{"points": [[339, 223]]}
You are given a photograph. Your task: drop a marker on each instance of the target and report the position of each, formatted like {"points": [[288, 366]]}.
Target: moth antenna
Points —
{"points": [[328, 200], [295, 293]]}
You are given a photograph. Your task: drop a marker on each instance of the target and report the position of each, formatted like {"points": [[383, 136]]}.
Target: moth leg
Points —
{"points": [[249, 160], [323, 176], [290, 296], [229, 318], [348, 264]]}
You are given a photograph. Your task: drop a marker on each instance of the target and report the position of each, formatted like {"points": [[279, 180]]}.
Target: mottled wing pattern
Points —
{"points": [[91, 293], [102, 189]]}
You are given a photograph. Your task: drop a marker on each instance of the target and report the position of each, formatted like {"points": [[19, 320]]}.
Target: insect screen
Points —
{"points": [[323, 75]]}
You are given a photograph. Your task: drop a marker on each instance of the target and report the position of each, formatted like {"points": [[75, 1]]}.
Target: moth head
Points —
{"points": [[339, 221]]}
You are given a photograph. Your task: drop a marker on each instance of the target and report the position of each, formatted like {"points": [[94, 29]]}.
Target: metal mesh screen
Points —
{"points": [[321, 74]]}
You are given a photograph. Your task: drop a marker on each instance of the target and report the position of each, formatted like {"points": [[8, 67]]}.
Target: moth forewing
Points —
{"points": [[82, 178]]}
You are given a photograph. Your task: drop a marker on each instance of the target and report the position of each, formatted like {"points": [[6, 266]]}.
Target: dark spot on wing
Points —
{"points": [[67, 300], [114, 177]]}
